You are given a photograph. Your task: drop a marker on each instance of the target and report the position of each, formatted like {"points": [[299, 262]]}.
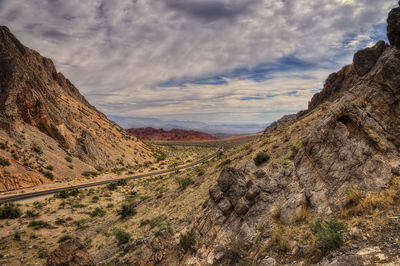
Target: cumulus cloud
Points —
{"points": [[196, 59]]}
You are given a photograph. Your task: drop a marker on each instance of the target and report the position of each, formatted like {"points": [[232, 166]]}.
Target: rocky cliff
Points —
{"points": [[349, 140], [47, 128]]}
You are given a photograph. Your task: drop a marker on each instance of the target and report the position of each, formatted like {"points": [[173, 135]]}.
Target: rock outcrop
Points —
{"points": [[70, 252], [393, 28], [336, 83], [355, 143], [42, 110]]}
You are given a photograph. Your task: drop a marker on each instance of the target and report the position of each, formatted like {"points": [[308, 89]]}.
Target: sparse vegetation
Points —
{"points": [[10, 211], [127, 209], [186, 240], [68, 159], [330, 233], [184, 182], [4, 161], [261, 158], [37, 224], [98, 212], [121, 236]]}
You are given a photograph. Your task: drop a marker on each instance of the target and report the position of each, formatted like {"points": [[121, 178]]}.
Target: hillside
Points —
{"points": [[150, 133], [48, 131]]}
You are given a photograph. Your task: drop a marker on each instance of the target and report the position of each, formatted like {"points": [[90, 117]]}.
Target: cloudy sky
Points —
{"points": [[213, 61]]}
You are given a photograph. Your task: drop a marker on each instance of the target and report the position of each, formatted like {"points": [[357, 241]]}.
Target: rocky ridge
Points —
{"points": [[44, 119], [355, 143], [150, 133]]}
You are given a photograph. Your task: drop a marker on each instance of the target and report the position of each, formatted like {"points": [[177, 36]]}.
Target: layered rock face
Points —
{"points": [[42, 110], [70, 252], [355, 143]]}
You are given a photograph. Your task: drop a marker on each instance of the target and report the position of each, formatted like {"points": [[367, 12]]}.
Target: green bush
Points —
{"points": [[37, 149], [112, 186], [10, 211], [261, 157], [60, 221], [330, 233], [186, 241], [127, 209], [48, 174], [31, 214], [90, 173], [4, 162], [122, 236], [38, 224], [184, 182], [63, 194], [98, 212]]}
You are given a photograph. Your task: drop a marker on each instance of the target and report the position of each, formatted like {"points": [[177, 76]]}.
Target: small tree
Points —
{"points": [[261, 157], [10, 211], [330, 233]]}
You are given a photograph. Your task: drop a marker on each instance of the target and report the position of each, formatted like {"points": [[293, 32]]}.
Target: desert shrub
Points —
{"points": [[121, 236], [127, 209], [330, 233], [63, 194], [354, 196], [184, 182], [186, 240], [4, 162], [10, 211], [112, 186], [80, 223], [98, 212], [36, 224], [43, 253], [37, 149], [161, 156], [50, 167], [31, 214], [90, 173], [48, 175], [17, 236], [60, 221], [261, 157], [68, 159], [64, 238], [122, 182], [279, 240], [95, 199]]}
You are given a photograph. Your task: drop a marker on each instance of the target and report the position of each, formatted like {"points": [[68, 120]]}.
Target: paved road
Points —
{"points": [[99, 183]]}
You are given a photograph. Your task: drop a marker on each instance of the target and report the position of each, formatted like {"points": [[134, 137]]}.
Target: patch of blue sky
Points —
{"points": [[258, 73]]}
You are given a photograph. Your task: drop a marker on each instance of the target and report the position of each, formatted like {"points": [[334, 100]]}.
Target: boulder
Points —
{"points": [[393, 28], [364, 60], [226, 178], [216, 193], [252, 192], [70, 252], [225, 206], [242, 206]]}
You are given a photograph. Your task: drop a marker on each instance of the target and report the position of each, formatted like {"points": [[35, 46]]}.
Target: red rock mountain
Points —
{"points": [[47, 128], [149, 133]]}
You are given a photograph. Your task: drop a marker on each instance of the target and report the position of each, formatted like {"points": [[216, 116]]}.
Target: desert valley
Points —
{"points": [[318, 187]]}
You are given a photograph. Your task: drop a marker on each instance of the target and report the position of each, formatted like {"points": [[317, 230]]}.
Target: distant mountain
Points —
{"points": [[229, 129], [48, 131], [150, 133]]}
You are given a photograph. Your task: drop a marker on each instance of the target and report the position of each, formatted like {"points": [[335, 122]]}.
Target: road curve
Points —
{"points": [[99, 183]]}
